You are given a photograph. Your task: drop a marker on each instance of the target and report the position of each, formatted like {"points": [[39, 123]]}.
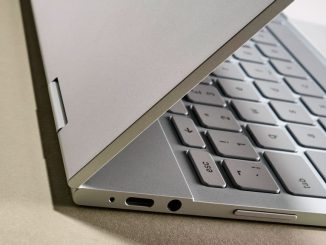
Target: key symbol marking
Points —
{"points": [[311, 136], [304, 183], [196, 91], [275, 90], [255, 111], [272, 136], [224, 141], [225, 118]]}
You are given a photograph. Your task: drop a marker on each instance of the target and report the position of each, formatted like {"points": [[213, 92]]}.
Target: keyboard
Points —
{"points": [[256, 123]]}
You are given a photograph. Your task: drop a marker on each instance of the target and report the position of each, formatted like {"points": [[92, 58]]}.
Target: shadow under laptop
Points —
{"points": [[146, 228]]}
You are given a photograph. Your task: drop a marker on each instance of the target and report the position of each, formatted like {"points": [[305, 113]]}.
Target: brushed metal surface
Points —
{"points": [[147, 166]]}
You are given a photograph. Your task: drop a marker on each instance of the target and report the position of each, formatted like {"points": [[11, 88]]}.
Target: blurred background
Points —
{"points": [[309, 16], [312, 11]]}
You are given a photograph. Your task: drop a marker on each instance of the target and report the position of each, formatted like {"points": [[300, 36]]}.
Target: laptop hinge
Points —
{"points": [[58, 109]]}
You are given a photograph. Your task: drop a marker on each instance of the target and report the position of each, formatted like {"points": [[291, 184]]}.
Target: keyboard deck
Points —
{"points": [[264, 116]]}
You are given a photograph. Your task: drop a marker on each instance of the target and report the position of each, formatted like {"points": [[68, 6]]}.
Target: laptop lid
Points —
{"points": [[114, 67]]}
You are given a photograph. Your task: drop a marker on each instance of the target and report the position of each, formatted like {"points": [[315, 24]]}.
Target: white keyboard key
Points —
{"points": [[264, 36], [206, 168], [315, 106], [250, 176], [276, 91], [229, 70], [289, 69], [296, 175], [188, 132], [216, 118], [209, 80], [304, 87], [179, 108], [271, 137], [274, 52], [291, 112], [259, 71], [235, 145], [249, 53], [254, 112], [239, 90], [205, 94], [306, 136]]}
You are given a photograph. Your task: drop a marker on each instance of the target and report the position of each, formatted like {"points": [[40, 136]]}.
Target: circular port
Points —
{"points": [[174, 205], [111, 199]]}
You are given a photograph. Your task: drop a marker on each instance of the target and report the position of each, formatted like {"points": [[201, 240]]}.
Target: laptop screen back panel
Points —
{"points": [[119, 65]]}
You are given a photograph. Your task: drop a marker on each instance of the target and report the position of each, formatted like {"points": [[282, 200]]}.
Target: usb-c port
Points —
{"points": [[141, 202]]}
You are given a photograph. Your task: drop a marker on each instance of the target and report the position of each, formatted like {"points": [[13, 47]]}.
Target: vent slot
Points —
{"points": [[59, 112]]}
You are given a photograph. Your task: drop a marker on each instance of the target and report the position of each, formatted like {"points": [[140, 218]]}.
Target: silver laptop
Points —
{"points": [[137, 131]]}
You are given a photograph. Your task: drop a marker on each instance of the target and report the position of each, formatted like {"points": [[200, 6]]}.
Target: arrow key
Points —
{"points": [[230, 144], [250, 176]]}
